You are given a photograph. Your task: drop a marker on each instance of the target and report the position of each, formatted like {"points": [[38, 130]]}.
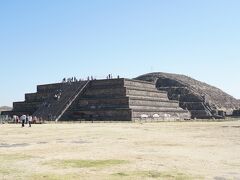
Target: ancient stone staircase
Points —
{"points": [[69, 102], [101, 100], [52, 108]]}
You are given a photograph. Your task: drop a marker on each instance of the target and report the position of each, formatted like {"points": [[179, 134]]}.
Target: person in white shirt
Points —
{"points": [[15, 118], [23, 119]]}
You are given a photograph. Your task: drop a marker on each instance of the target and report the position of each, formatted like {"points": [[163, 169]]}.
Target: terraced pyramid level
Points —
{"points": [[101, 100]]}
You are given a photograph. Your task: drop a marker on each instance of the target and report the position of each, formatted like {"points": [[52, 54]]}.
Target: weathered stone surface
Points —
{"points": [[123, 99], [236, 112], [201, 99], [111, 99]]}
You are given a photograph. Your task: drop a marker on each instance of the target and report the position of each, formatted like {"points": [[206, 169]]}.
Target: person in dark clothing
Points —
{"points": [[23, 121], [30, 121], [26, 122]]}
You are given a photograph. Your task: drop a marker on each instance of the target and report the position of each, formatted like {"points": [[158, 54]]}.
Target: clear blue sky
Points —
{"points": [[43, 41]]}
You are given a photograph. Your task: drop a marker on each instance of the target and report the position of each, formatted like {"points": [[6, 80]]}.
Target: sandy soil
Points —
{"points": [[174, 150]]}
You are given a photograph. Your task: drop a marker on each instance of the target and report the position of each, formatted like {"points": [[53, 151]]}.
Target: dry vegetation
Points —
{"points": [[176, 150]]}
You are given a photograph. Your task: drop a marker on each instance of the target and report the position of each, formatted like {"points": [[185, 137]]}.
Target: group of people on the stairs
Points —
{"points": [[58, 94]]}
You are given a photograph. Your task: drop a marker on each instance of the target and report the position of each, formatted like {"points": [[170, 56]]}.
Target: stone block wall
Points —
{"points": [[109, 99], [148, 103]]}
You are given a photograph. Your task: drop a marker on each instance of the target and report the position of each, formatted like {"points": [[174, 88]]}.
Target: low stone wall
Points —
{"points": [[161, 116], [99, 114]]}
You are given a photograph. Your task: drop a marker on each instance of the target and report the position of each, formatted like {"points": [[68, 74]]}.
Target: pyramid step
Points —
{"points": [[160, 109], [147, 98], [115, 92], [137, 83], [153, 103], [144, 89], [131, 92], [120, 114]]}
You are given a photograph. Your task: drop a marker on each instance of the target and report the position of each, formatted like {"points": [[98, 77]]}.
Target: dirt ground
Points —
{"points": [[173, 150]]}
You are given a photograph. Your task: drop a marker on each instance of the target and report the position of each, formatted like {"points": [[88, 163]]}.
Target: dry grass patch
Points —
{"points": [[85, 163], [14, 157], [5, 171], [53, 177], [170, 175], [143, 175], [8, 165]]}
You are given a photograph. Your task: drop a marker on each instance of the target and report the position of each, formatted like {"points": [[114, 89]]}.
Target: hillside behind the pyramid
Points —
{"points": [[5, 108], [203, 100]]}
